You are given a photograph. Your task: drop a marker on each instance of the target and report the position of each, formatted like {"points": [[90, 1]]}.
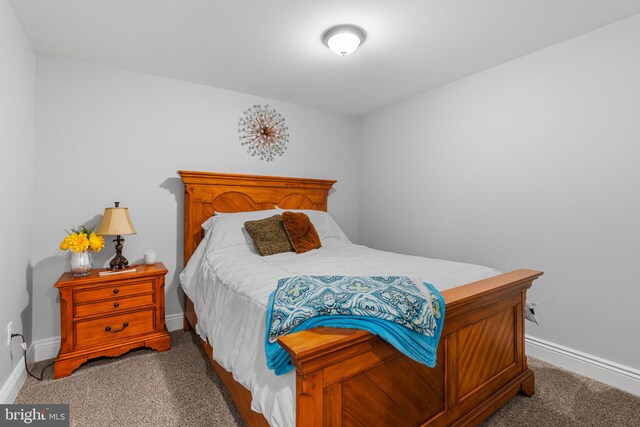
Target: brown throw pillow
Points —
{"points": [[269, 235], [302, 233]]}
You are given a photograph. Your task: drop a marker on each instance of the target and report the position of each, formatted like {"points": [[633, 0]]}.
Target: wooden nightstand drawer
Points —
{"points": [[119, 290], [112, 328], [112, 305]]}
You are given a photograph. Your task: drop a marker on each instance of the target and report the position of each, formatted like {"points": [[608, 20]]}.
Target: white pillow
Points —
{"points": [[227, 230], [322, 221], [224, 235], [250, 214]]}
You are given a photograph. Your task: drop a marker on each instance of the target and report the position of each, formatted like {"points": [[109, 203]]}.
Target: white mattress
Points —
{"points": [[230, 289]]}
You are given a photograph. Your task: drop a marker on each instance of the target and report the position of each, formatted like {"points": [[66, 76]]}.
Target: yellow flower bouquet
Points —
{"points": [[81, 241]]}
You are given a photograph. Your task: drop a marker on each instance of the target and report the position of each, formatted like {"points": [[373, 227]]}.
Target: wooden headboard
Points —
{"points": [[208, 192]]}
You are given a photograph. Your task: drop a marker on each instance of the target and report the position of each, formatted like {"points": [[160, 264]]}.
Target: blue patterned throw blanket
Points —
{"points": [[407, 315]]}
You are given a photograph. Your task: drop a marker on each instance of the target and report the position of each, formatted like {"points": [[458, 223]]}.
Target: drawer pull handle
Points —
{"points": [[115, 291], [124, 325], [116, 304]]}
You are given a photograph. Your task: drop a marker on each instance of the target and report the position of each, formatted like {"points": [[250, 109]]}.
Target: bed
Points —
{"points": [[346, 377]]}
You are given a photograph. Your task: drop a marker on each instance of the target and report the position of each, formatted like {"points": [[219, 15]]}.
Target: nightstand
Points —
{"points": [[110, 315]]}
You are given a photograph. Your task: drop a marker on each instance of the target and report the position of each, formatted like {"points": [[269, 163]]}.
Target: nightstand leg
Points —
{"points": [[159, 344], [64, 368]]}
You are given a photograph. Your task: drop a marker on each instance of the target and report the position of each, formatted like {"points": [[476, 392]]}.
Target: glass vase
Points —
{"points": [[81, 263]]}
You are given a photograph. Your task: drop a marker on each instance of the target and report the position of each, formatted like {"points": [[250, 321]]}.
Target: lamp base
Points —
{"points": [[118, 262]]}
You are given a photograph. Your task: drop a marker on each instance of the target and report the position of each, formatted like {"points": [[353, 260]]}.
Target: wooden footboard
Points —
{"points": [[353, 378]]}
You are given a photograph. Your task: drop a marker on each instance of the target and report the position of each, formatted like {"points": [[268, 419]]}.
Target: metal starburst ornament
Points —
{"points": [[263, 131]]}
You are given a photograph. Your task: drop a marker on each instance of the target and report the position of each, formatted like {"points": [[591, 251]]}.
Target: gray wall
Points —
{"points": [[17, 110], [533, 163], [106, 134], [528, 164]]}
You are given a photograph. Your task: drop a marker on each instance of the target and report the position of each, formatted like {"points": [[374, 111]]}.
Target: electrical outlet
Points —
{"points": [[9, 332]]}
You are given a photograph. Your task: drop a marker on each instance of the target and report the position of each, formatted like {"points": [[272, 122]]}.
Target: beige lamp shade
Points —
{"points": [[115, 222]]}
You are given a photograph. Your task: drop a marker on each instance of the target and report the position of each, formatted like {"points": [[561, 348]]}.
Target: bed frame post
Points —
{"points": [[186, 326], [187, 252]]}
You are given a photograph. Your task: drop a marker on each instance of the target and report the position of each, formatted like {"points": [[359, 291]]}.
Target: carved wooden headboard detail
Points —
{"points": [[208, 192]]}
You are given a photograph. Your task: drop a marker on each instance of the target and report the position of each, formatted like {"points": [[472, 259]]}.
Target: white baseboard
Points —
{"points": [[605, 371], [14, 383], [174, 321], [43, 349]]}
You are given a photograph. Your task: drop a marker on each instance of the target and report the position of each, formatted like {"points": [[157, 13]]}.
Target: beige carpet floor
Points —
{"points": [[179, 388]]}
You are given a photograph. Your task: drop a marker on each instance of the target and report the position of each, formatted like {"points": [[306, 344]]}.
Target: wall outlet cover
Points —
{"points": [[9, 332]]}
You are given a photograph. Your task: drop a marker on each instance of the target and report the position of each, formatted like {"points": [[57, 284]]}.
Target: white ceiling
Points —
{"points": [[272, 48]]}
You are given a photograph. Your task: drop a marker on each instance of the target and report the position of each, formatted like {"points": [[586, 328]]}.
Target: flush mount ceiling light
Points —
{"points": [[344, 39]]}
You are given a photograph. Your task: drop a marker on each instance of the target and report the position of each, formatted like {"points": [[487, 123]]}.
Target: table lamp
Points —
{"points": [[116, 222]]}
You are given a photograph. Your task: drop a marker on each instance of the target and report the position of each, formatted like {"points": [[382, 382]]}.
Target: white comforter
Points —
{"points": [[230, 289]]}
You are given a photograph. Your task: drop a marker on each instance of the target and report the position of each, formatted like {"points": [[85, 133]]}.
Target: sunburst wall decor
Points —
{"points": [[264, 132]]}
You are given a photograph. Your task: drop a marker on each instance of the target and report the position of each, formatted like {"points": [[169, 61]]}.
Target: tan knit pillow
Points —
{"points": [[269, 235]]}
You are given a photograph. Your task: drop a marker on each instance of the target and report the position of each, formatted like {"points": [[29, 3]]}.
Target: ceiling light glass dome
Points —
{"points": [[344, 39]]}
